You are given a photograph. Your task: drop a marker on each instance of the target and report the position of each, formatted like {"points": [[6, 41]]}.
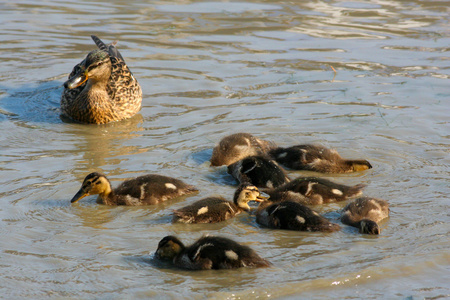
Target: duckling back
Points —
{"points": [[150, 189], [208, 210], [259, 171], [211, 252], [317, 158], [238, 146], [293, 216], [314, 191], [365, 213]]}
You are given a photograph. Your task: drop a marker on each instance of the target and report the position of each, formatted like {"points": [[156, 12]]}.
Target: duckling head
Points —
{"points": [[169, 247], [96, 66], [94, 184], [369, 227], [246, 193]]}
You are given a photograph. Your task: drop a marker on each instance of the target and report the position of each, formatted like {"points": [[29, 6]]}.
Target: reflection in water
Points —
{"points": [[209, 69]]}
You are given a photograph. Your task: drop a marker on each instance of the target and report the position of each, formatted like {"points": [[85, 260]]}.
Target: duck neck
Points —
{"points": [[107, 196], [96, 90]]}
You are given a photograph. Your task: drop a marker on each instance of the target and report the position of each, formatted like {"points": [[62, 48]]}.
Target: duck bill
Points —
{"points": [[77, 80], [262, 197], [79, 195]]}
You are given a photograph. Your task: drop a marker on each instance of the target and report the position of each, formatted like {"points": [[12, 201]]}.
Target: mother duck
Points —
{"points": [[101, 88]]}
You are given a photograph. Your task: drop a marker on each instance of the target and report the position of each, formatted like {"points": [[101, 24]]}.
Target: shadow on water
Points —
{"points": [[36, 103]]}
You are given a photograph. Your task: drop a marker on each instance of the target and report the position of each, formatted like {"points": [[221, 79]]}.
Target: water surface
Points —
{"points": [[208, 69]]}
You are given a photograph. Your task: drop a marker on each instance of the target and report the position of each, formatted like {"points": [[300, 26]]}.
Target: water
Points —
{"points": [[208, 69]]}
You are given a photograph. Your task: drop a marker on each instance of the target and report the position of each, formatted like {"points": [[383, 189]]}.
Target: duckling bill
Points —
{"points": [[142, 190], [218, 209], [209, 252]]}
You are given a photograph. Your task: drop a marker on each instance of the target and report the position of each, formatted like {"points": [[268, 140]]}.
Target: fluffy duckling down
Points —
{"points": [[218, 209], [209, 252], [142, 190], [365, 213], [237, 146], [313, 191], [317, 158], [260, 171], [292, 216]]}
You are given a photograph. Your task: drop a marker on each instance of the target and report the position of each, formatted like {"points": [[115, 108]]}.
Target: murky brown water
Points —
{"points": [[209, 69]]}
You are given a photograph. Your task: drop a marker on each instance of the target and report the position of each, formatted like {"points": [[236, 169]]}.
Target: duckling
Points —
{"points": [[293, 216], [365, 213], [209, 252], [258, 170], [142, 190], [313, 191], [318, 159], [101, 88], [217, 209], [237, 146]]}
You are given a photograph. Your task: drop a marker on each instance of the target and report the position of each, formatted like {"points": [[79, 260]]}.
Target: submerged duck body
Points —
{"points": [[317, 158], [292, 216], [208, 253], [365, 213], [218, 209], [259, 171], [237, 146], [313, 191], [142, 190], [101, 88]]}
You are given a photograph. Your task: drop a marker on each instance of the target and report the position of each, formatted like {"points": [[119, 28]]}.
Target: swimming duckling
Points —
{"points": [[208, 253], [258, 170], [217, 209], [365, 213], [142, 190], [101, 88], [293, 216], [317, 158], [313, 191], [237, 146]]}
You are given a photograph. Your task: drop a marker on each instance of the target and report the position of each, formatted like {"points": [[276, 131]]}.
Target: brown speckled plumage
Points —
{"points": [[101, 88]]}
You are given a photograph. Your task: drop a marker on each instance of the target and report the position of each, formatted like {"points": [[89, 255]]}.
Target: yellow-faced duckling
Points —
{"points": [[365, 213], [217, 209], [292, 216], [209, 252], [142, 190], [101, 88], [317, 158], [237, 146], [313, 191], [259, 171]]}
